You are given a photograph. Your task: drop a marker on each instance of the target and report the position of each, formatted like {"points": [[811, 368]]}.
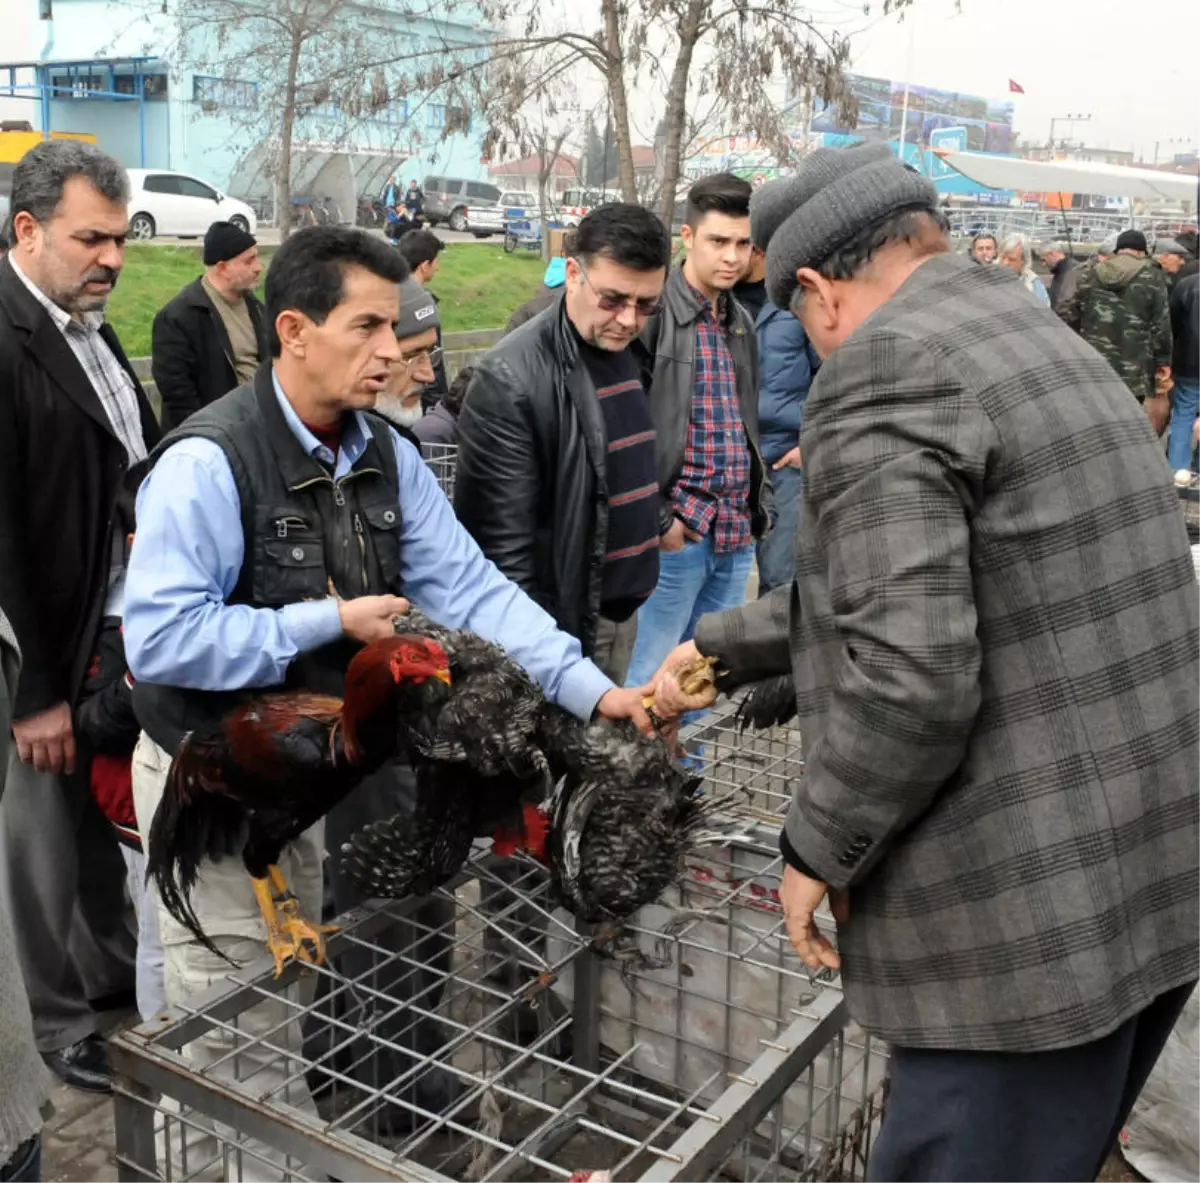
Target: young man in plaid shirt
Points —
{"points": [[704, 401]]}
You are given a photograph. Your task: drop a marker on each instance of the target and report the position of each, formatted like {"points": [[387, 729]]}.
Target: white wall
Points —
{"points": [[21, 28]]}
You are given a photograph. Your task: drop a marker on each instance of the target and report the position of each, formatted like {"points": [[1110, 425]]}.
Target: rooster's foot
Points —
{"points": [[290, 937], [304, 940]]}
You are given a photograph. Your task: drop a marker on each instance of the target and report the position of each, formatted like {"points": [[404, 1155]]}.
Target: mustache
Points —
{"points": [[106, 275]]}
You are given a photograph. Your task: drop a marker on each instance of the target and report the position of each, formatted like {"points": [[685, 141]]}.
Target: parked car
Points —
{"points": [[447, 200], [576, 204], [163, 202], [518, 199], [484, 221]]}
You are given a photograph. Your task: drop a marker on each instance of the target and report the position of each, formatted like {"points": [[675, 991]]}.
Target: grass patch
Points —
{"points": [[479, 286]]}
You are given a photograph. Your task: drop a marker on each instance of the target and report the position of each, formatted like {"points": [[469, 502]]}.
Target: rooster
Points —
{"points": [[769, 703], [621, 814], [475, 755], [255, 780], [617, 808]]}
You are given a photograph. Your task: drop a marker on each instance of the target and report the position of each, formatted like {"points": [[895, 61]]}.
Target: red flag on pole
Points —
{"points": [[1015, 87]]}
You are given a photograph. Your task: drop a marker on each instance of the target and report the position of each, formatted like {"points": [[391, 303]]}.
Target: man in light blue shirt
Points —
{"points": [[256, 510]]}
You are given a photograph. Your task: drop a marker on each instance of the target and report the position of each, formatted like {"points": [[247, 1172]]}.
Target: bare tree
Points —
{"points": [[724, 50], [527, 57], [268, 67], [539, 132]]}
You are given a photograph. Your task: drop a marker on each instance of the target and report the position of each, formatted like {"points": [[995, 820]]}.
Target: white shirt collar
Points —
{"points": [[61, 317]]}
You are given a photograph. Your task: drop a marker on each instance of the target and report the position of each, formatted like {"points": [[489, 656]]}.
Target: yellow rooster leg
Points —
{"points": [[278, 945], [305, 940], [695, 678]]}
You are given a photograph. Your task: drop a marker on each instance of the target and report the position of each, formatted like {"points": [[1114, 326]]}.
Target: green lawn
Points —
{"points": [[478, 284]]}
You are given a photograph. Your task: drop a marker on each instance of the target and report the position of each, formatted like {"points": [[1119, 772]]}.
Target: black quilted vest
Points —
{"points": [[303, 532]]}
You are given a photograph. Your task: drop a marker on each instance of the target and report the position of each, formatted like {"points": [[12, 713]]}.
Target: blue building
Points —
{"points": [[109, 69]]}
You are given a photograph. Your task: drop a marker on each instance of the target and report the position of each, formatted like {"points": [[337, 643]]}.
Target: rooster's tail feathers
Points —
{"points": [[769, 703], [183, 830]]}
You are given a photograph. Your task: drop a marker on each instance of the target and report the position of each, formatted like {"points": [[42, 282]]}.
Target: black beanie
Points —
{"points": [[225, 241], [1131, 240]]}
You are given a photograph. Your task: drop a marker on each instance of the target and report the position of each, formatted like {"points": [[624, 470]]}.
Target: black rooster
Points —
{"points": [[253, 782], [622, 813], [618, 812], [474, 751], [769, 703]]}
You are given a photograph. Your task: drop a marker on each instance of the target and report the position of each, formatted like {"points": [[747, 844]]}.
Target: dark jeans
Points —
{"points": [[25, 1166], [777, 552], [1054, 1115]]}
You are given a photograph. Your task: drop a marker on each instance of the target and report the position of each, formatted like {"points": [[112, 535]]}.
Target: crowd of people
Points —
{"points": [[971, 561], [1136, 305]]}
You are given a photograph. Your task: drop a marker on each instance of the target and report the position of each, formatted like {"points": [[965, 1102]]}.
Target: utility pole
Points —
{"points": [[909, 16]]}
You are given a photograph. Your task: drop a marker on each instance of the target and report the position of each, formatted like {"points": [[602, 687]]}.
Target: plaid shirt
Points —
{"points": [[113, 386], [713, 489]]}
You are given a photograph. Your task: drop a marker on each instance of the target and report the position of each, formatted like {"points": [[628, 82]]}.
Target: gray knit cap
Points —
{"points": [[418, 311], [835, 194], [770, 206]]}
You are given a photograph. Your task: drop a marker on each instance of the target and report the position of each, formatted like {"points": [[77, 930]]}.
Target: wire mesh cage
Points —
{"points": [[479, 1034], [442, 460]]}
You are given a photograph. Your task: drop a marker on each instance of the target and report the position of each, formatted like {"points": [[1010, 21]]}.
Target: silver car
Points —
{"points": [[447, 199]]}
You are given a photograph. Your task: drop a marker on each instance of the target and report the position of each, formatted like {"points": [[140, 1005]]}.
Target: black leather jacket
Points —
{"points": [[530, 482], [670, 337]]}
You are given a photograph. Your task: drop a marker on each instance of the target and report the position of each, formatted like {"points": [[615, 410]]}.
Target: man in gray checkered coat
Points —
{"points": [[994, 642]]}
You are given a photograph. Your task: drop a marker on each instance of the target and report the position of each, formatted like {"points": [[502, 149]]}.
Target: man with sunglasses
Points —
{"points": [[557, 468], [557, 472]]}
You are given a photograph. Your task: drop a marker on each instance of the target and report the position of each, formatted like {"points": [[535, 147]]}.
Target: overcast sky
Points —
{"points": [[1131, 66]]}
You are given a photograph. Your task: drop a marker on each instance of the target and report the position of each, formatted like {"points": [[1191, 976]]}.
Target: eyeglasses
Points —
{"points": [[433, 356], [617, 303]]}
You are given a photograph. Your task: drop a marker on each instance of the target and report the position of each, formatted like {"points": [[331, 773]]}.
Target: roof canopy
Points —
{"points": [[1072, 176]]}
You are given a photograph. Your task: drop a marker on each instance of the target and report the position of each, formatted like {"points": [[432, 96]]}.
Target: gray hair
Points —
{"points": [[43, 172], [1016, 242], [919, 226], [1054, 248]]}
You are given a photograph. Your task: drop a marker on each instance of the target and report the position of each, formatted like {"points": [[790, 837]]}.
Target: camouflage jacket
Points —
{"points": [[1119, 307]]}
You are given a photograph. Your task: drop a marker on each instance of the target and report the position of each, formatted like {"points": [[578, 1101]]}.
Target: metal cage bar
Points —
{"points": [[698, 1044]]}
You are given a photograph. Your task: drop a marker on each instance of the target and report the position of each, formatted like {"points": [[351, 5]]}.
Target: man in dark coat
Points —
{"points": [[993, 637], [1064, 274], [73, 424], [212, 336], [556, 471]]}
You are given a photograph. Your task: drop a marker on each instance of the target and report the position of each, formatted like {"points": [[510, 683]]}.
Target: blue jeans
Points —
{"points": [[777, 552], [691, 582], [1185, 407]]}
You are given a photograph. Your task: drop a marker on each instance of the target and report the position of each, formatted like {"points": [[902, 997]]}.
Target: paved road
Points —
{"points": [[269, 236]]}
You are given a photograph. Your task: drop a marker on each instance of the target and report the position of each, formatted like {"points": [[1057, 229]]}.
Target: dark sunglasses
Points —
{"points": [[616, 303]]}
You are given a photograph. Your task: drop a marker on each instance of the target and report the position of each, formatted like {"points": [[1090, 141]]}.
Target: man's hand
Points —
{"points": [[678, 536], [1163, 380], [791, 459], [46, 739], [800, 897], [626, 703], [1158, 411], [371, 618], [669, 699]]}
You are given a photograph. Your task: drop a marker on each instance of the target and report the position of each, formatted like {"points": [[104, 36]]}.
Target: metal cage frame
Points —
{"points": [[699, 1047]]}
